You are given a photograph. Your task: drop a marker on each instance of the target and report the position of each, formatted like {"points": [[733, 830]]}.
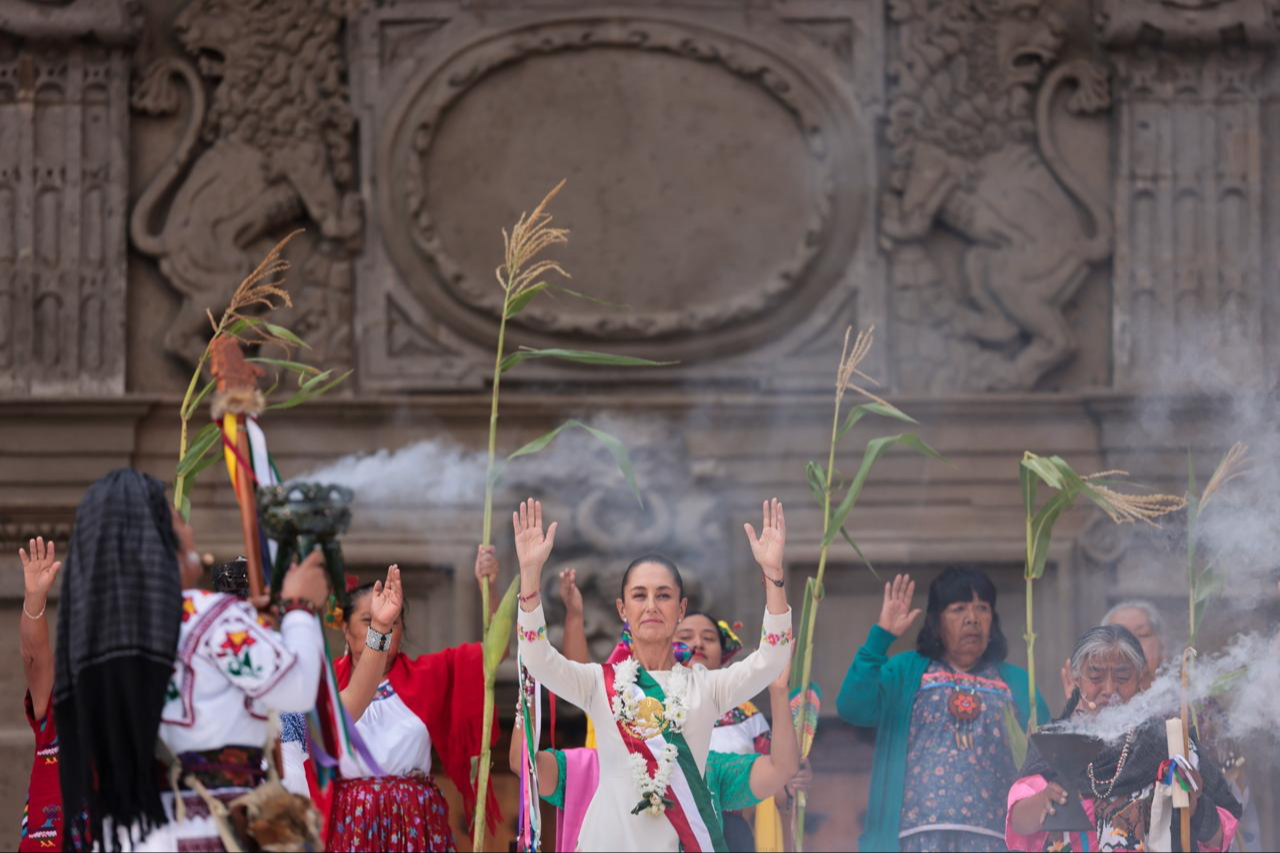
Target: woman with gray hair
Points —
{"points": [[1118, 788]]}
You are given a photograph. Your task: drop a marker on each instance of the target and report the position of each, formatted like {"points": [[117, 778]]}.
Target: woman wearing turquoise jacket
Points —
{"points": [[943, 765]]}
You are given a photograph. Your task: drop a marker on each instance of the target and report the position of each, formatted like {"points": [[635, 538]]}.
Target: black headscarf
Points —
{"points": [[118, 622]]}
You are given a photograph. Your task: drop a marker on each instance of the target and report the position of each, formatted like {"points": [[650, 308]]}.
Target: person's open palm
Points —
{"points": [[569, 592], [533, 547], [387, 600], [40, 566], [768, 547], [896, 615]]}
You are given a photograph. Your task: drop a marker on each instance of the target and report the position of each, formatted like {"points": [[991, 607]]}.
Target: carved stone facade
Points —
{"points": [[64, 76], [1047, 208]]}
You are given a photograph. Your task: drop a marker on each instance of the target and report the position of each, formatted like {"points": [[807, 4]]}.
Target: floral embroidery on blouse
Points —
{"points": [[776, 639], [236, 645], [188, 608], [531, 636], [737, 715], [384, 691]]}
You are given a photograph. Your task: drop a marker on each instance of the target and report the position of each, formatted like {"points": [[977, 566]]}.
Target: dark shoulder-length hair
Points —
{"points": [[960, 583]]}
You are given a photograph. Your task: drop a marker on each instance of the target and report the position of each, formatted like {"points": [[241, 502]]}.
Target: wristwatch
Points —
{"points": [[377, 640]]}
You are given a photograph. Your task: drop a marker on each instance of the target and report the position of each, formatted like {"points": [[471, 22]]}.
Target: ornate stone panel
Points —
{"points": [[718, 175], [265, 147], [63, 179], [990, 230], [1190, 273]]}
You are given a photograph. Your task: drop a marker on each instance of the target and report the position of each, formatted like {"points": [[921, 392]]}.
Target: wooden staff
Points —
{"points": [[247, 498]]}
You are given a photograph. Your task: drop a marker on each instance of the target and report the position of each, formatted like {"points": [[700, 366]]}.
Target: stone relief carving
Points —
{"points": [[63, 183], [271, 148], [973, 153], [1191, 278]]}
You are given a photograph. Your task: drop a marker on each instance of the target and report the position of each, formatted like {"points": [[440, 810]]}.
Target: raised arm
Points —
{"points": [[40, 568], [736, 684], [385, 603], [772, 772], [575, 682], [861, 693], [575, 621]]}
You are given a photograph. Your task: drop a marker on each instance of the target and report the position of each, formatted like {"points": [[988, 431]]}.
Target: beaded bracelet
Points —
{"points": [[525, 599]]}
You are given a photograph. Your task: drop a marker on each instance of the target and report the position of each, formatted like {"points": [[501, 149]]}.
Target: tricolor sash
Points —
{"points": [[688, 800]]}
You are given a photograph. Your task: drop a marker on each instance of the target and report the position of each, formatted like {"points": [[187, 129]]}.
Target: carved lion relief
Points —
{"points": [[973, 154], [270, 148]]}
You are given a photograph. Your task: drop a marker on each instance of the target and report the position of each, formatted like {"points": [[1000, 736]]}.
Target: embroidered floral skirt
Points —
{"points": [[398, 814]]}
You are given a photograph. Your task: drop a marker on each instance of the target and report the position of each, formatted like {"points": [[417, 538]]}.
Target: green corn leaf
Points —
{"points": [[1028, 480], [578, 357], [1042, 530], [304, 371], [883, 409], [1225, 682], [1209, 585], [311, 389], [499, 633], [802, 631], [587, 297], [200, 445], [524, 297], [875, 448], [1015, 735], [205, 462], [1047, 469], [242, 324], [199, 398], [845, 533], [186, 508], [816, 476], [282, 332], [616, 448]]}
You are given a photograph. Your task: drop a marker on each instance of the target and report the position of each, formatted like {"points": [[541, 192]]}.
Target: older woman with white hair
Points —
{"points": [[1118, 788], [1143, 620]]}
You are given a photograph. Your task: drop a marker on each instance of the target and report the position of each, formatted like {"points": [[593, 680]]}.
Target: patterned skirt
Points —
{"points": [[398, 814]]}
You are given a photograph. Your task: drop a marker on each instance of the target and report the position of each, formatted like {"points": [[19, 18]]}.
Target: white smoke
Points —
{"points": [[1244, 678], [434, 472]]}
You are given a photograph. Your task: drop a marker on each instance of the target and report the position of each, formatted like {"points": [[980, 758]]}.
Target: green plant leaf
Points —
{"points": [[303, 370], [616, 448], [185, 509], [883, 409], [568, 291], [875, 448], [1048, 469], [1209, 585], [1042, 530], [524, 297], [198, 399], [845, 533], [579, 357], [802, 631], [282, 332], [816, 476], [1015, 735], [241, 324], [499, 633], [311, 389], [199, 446]]}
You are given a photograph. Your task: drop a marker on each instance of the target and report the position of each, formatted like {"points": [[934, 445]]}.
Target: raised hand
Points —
{"points": [[40, 566], [486, 564], [386, 602], [768, 546], [896, 615], [783, 682], [569, 592], [307, 580], [533, 547]]}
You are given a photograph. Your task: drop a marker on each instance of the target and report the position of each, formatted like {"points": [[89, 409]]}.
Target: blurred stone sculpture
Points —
{"points": [[272, 147], [972, 151]]}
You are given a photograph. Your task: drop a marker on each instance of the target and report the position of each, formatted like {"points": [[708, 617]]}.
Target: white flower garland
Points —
{"points": [[627, 697]]}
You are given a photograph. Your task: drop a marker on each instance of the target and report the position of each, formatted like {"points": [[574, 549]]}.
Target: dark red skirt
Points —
{"points": [[398, 814]]}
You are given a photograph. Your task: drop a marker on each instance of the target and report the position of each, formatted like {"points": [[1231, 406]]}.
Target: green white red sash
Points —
{"points": [[689, 807]]}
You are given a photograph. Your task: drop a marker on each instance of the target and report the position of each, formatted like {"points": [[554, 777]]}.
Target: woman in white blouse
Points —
{"points": [[653, 717]]}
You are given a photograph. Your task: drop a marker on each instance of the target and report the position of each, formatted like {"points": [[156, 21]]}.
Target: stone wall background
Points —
{"points": [[1055, 213]]}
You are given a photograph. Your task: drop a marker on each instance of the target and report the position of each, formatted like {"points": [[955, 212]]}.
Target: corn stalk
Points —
{"points": [[522, 277], [825, 489], [262, 290], [1068, 487]]}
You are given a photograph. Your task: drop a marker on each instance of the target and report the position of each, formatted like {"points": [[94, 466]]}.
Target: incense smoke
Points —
{"points": [[425, 472], [1244, 678]]}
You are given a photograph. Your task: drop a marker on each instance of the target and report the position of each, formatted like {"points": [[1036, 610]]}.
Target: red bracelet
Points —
{"points": [[524, 599]]}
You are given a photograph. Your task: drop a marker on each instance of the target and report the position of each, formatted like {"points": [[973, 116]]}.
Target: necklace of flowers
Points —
{"points": [[627, 701]]}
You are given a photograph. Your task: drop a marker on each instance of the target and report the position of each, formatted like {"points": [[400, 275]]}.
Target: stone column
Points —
{"points": [[64, 77], [1189, 256]]}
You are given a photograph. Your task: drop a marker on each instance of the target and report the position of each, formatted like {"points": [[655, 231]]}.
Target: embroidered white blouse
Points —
{"points": [[397, 738], [231, 669], [609, 823]]}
